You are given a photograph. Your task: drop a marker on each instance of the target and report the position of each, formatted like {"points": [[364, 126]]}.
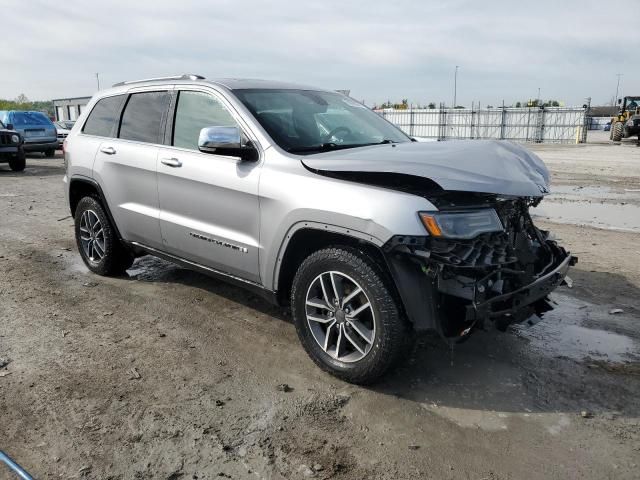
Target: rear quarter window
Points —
{"points": [[103, 119]]}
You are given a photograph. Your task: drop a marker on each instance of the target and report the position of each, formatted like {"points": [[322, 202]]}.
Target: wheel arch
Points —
{"points": [[80, 187], [309, 238]]}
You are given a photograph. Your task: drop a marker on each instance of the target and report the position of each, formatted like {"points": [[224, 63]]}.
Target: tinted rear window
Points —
{"points": [[142, 117], [25, 119], [104, 117]]}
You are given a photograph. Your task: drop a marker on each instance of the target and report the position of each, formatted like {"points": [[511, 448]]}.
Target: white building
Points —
{"points": [[69, 108]]}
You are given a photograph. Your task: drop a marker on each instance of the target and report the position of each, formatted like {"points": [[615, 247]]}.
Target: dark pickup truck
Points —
{"points": [[11, 148]]}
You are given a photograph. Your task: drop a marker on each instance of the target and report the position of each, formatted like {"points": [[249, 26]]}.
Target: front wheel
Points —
{"points": [[97, 241], [346, 315], [617, 129], [19, 162]]}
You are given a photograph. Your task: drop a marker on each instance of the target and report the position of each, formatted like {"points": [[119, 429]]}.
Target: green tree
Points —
{"points": [[23, 103]]}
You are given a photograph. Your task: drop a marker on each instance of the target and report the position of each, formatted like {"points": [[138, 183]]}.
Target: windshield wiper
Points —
{"points": [[325, 147]]}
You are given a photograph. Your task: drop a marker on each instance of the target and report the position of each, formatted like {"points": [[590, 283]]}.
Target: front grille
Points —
{"points": [[62, 135], [5, 139]]}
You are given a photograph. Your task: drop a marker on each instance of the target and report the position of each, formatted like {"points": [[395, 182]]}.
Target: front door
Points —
{"points": [[209, 211]]}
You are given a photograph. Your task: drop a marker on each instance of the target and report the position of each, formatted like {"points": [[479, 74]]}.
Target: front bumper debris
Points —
{"points": [[513, 304], [454, 286]]}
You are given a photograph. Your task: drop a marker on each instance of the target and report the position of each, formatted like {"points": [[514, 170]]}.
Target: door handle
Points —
{"points": [[108, 150], [171, 162]]}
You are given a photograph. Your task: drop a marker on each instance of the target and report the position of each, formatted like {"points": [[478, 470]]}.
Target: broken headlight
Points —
{"points": [[461, 224]]}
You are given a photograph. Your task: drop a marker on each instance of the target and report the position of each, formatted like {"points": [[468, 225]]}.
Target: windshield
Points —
{"points": [[308, 121], [21, 119], [67, 125], [2, 124], [632, 103]]}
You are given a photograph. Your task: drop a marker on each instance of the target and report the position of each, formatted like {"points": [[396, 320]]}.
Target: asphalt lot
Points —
{"points": [[169, 374]]}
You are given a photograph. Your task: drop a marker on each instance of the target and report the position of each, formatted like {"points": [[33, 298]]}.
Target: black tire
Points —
{"points": [[391, 332], [19, 162], [50, 153], [617, 130], [116, 259]]}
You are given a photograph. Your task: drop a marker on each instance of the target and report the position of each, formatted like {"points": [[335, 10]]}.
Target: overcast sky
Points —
{"points": [[380, 50]]}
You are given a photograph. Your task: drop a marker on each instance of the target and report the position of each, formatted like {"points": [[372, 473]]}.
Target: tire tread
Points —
{"points": [[393, 343]]}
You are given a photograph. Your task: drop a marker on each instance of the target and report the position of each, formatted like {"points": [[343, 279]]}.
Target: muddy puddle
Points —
{"points": [[592, 205], [563, 333], [601, 215]]}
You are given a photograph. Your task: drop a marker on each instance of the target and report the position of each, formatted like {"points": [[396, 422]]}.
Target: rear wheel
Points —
{"points": [[616, 131], [97, 242], [346, 316], [19, 162]]}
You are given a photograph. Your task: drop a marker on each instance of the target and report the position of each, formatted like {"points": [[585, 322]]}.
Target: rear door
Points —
{"points": [[126, 166], [209, 210]]}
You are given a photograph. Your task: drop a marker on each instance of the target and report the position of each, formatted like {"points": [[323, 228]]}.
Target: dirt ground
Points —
{"points": [[168, 374]]}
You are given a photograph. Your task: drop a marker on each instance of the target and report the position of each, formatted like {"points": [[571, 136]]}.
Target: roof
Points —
{"points": [[242, 83], [70, 99], [229, 83], [603, 111]]}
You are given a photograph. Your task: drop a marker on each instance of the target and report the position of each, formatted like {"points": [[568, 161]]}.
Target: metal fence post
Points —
{"points": [[503, 122], [539, 125], [471, 123], [585, 121], [411, 122]]}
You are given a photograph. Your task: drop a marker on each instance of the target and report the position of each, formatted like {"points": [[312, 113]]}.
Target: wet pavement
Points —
{"points": [[592, 205]]}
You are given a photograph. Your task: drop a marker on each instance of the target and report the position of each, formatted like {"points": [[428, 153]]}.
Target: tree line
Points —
{"points": [[21, 102], [404, 105]]}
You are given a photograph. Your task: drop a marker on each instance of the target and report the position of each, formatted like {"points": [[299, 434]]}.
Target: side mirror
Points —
{"points": [[9, 126], [226, 141]]}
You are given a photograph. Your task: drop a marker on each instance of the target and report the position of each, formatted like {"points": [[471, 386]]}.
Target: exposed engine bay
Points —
{"points": [[502, 276]]}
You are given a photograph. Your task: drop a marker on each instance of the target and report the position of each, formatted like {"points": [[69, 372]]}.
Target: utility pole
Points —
{"points": [[98, 80], [455, 86], [538, 96], [615, 99]]}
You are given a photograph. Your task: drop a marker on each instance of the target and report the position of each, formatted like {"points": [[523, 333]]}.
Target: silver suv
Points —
{"points": [[312, 200]]}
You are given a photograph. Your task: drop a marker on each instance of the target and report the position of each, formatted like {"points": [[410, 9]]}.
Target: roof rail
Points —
{"points": [[186, 76]]}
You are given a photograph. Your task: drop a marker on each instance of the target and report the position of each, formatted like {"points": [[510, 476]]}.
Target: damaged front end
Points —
{"points": [[462, 276]]}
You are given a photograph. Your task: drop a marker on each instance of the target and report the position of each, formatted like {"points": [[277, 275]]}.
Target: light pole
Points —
{"points": [[455, 86], [615, 99], [98, 80]]}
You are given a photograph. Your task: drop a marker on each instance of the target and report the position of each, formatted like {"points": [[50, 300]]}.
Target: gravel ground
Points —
{"points": [[168, 374]]}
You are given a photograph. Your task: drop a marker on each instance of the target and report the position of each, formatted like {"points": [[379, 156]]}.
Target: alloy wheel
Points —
{"points": [[340, 316], [92, 236]]}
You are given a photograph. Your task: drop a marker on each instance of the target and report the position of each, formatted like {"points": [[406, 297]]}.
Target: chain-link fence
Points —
{"points": [[549, 125]]}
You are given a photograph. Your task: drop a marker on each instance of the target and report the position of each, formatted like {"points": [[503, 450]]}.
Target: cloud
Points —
{"points": [[378, 49]]}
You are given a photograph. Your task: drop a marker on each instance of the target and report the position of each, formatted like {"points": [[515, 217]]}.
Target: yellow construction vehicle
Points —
{"points": [[627, 122]]}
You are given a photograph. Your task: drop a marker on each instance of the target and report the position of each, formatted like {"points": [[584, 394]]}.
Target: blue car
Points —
{"points": [[38, 132], [607, 126]]}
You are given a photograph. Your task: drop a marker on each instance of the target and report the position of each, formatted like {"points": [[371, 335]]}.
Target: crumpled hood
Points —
{"points": [[482, 166]]}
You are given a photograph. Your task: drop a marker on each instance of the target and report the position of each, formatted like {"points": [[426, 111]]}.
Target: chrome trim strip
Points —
{"points": [[197, 265]]}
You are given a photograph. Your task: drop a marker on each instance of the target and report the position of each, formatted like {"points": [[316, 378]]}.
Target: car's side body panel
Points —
{"points": [[291, 196]]}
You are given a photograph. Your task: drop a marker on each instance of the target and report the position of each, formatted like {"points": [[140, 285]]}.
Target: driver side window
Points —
{"points": [[195, 111]]}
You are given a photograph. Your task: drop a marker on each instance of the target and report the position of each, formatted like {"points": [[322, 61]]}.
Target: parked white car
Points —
{"points": [[63, 127]]}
